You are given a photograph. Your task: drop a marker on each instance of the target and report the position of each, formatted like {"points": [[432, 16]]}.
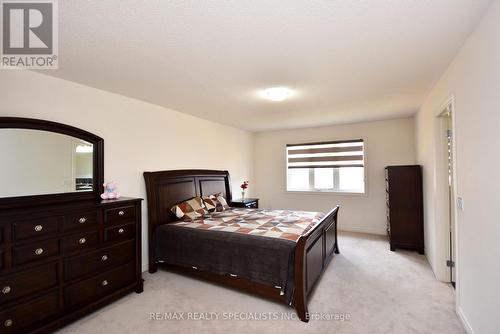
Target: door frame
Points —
{"points": [[450, 103]]}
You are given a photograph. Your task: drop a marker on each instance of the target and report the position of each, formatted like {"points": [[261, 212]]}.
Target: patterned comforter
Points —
{"points": [[282, 224]]}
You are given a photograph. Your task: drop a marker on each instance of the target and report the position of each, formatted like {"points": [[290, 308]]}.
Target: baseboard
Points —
{"points": [[464, 321], [362, 230]]}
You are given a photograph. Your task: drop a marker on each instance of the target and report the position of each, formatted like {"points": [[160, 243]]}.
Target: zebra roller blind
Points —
{"points": [[334, 154]]}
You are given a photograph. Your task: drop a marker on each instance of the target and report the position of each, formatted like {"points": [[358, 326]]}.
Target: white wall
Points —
{"points": [[138, 136], [474, 80], [388, 142]]}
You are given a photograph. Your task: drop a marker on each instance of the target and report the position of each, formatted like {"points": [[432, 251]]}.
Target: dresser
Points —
{"points": [[64, 252], [404, 204], [59, 262]]}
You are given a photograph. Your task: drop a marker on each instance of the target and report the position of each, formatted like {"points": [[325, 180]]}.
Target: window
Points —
{"points": [[326, 167]]}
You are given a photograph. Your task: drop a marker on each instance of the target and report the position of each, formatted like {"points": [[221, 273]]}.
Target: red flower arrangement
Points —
{"points": [[243, 187]]}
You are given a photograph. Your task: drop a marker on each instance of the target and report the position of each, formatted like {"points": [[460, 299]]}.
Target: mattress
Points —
{"points": [[282, 224]]}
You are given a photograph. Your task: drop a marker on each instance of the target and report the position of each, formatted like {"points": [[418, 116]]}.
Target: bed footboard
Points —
{"points": [[314, 251]]}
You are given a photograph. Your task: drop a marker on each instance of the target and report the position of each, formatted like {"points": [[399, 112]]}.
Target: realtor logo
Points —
{"points": [[29, 34]]}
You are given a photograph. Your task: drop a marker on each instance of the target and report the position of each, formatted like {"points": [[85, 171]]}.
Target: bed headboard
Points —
{"points": [[166, 188]]}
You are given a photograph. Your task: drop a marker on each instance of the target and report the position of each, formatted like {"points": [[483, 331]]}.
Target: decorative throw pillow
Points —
{"points": [[222, 201], [215, 203], [190, 209], [211, 203]]}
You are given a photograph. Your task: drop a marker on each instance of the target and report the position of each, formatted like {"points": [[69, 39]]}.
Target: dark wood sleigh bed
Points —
{"points": [[313, 251]]}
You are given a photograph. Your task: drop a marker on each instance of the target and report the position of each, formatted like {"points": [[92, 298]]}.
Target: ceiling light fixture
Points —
{"points": [[276, 94]]}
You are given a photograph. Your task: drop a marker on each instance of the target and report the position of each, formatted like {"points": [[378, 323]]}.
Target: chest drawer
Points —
{"points": [[121, 232], [35, 227], [80, 241], [23, 283], [82, 220], [19, 318], [251, 205], [99, 260], [99, 285], [35, 251], [119, 215]]}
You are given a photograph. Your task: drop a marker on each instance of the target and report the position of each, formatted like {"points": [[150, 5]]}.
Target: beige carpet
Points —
{"points": [[380, 291]]}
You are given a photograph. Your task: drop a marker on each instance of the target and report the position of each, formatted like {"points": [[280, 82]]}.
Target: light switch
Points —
{"points": [[460, 203]]}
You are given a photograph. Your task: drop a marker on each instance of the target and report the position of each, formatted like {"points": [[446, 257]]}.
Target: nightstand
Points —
{"points": [[252, 203]]}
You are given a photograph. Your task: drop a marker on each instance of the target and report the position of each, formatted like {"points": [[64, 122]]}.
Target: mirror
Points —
{"points": [[38, 162]]}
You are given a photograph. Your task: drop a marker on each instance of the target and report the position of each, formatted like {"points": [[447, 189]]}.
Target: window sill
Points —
{"points": [[328, 193]]}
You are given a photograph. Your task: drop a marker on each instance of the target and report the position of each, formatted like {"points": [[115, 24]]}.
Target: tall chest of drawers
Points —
{"points": [[60, 262], [404, 205]]}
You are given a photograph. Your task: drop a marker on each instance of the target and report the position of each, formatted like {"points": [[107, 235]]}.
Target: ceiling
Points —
{"points": [[348, 61]]}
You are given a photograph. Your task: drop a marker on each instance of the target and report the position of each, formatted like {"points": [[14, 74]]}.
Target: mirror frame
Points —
{"points": [[42, 125]]}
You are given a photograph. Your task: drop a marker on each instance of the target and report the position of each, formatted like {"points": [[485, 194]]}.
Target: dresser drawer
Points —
{"points": [[99, 260], [29, 281], [81, 220], [121, 232], [17, 319], [119, 215], [32, 228], [99, 285], [80, 241], [35, 251]]}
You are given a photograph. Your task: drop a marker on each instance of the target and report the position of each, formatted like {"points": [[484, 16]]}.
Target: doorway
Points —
{"points": [[448, 183]]}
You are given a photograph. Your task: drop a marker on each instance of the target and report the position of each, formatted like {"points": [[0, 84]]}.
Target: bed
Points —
{"points": [[277, 254]]}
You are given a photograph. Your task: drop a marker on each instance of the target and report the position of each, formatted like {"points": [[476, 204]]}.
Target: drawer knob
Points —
{"points": [[6, 290], [82, 241], [8, 323], [104, 258], [38, 228], [39, 251], [82, 220], [120, 231], [121, 213], [104, 283]]}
